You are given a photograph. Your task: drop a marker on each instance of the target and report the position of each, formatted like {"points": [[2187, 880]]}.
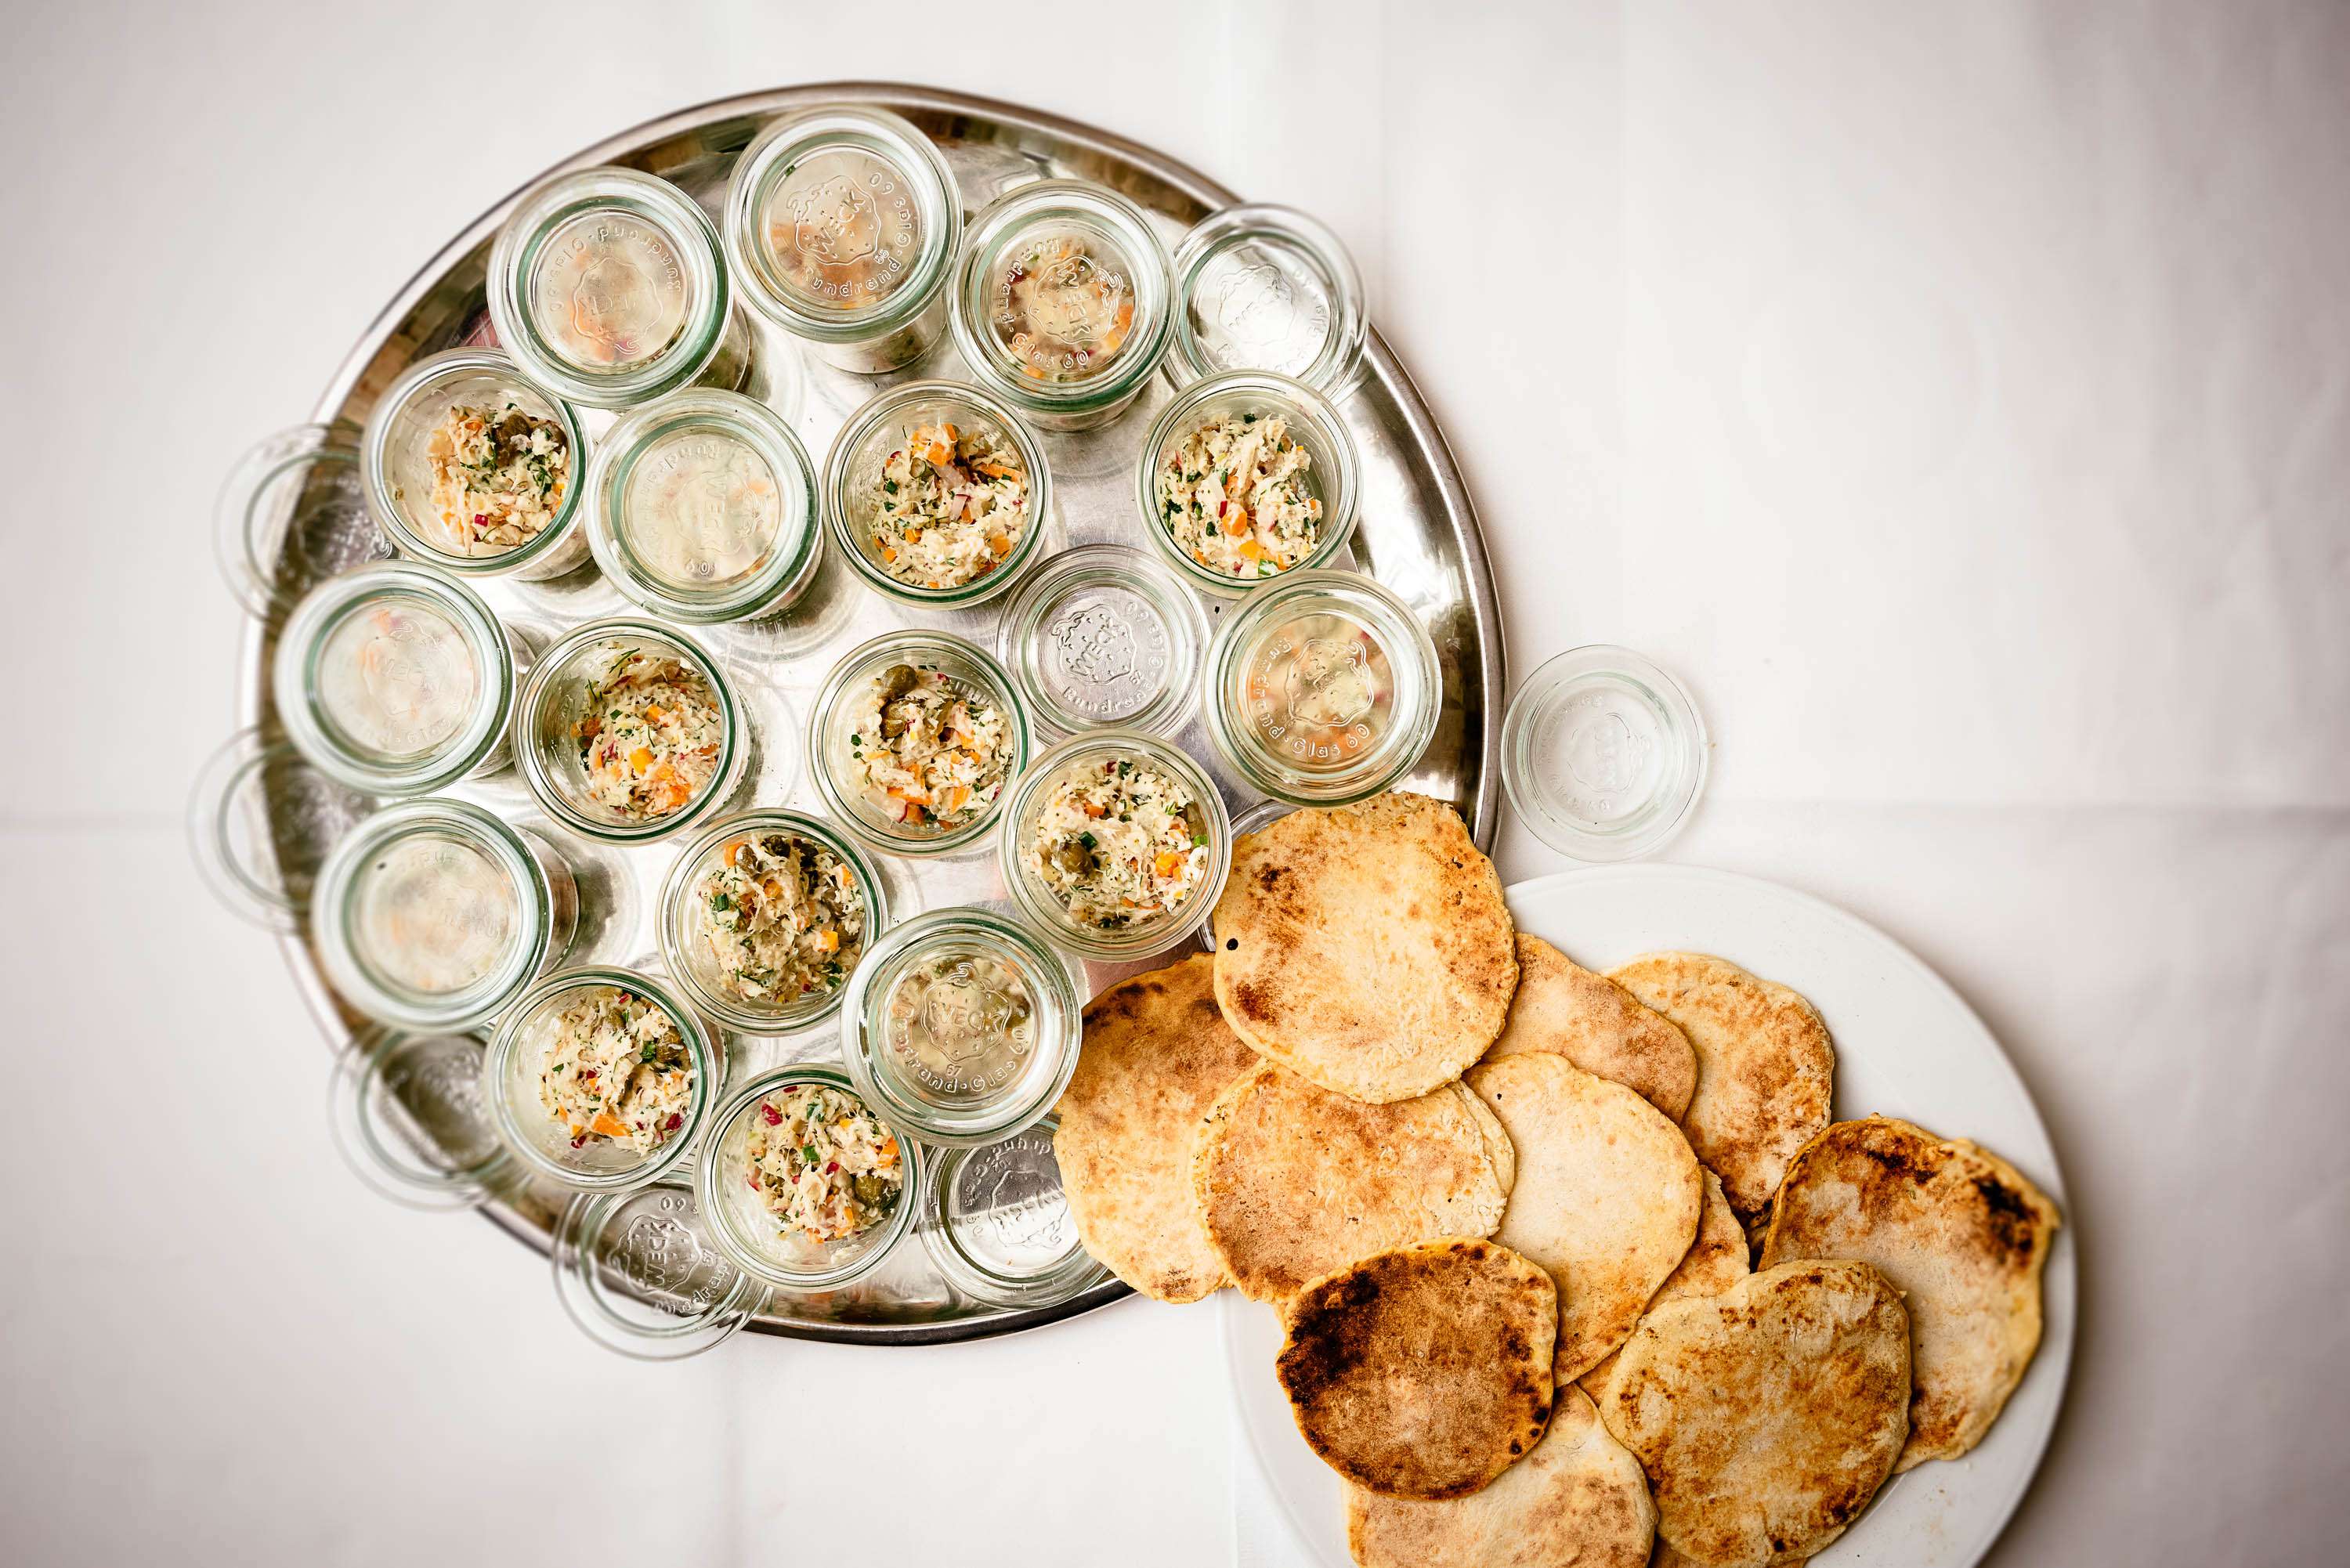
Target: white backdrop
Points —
{"points": [[1957, 397]]}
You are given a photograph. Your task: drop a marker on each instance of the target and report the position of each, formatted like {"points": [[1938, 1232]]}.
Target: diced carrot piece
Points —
{"points": [[1093, 810], [609, 1125], [640, 759], [733, 853], [829, 940], [656, 712], [1166, 863], [1251, 550], [999, 546], [1236, 521]]}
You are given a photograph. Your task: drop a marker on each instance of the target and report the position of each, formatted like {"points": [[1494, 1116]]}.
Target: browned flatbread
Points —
{"points": [[1765, 1067], [1598, 1025], [1423, 1372], [1607, 1194], [1156, 1056], [1293, 1181], [1578, 1500], [1958, 1230], [1715, 1261], [1366, 948], [1767, 1417]]}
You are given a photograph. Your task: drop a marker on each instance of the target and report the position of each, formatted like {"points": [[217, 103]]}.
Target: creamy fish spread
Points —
{"points": [[499, 476], [825, 1166], [952, 505], [616, 1070], [782, 917], [1234, 497], [1119, 846], [927, 751], [650, 742]]}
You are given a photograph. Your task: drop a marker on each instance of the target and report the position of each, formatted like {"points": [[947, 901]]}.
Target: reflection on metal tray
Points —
{"points": [[1418, 535]]}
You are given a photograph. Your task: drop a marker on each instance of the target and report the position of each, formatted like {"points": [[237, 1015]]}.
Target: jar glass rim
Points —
{"points": [[429, 375], [731, 1012], [581, 1256], [557, 202], [333, 909], [1342, 491], [1411, 657], [1075, 203], [978, 1277], [702, 1055], [890, 140], [376, 1155], [888, 961], [854, 437], [751, 424], [1676, 712], [324, 610], [1135, 571]]}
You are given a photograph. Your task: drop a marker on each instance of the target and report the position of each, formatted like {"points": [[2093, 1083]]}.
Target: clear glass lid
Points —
{"points": [[256, 816], [962, 1026], [1263, 287], [703, 506], [407, 1116], [292, 512], [640, 1274], [609, 286], [841, 221], [1603, 754], [395, 679], [998, 1226], [1105, 634], [1323, 688]]}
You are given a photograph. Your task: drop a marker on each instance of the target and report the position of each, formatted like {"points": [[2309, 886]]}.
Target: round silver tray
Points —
{"points": [[1417, 535]]}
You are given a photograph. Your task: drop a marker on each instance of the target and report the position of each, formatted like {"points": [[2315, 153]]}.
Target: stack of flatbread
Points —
{"points": [[1574, 1268]]}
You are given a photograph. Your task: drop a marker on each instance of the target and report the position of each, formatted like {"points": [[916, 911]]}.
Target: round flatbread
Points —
{"points": [[1716, 1261], [1959, 1231], [1292, 1180], [1765, 1068], [1599, 1026], [1606, 1199], [1366, 948], [1423, 1372], [1156, 1055], [1768, 1416], [1578, 1500]]}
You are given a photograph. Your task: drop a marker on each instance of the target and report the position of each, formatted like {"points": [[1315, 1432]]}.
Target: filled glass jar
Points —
{"points": [[701, 507], [961, 1027], [472, 467], [610, 286], [842, 225], [937, 494], [1062, 301], [435, 914], [599, 1078], [765, 916], [1323, 688], [914, 741], [1116, 844], [803, 1183], [397, 679], [628, 731]]}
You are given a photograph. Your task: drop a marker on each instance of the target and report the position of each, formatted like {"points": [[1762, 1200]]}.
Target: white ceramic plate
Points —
{"points": [[1906, 1046]]}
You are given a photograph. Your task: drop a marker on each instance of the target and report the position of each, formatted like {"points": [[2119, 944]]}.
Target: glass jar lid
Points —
{"points": [[1603, 754], [600, 1078], [432, 914], [1263, 287], [1104, 635], [1116, 844], [395, 679], [998, 1226], [1323, 688], [245, 794], [915, 739], [938, 494], [628, 731], [293, 511], [961, 1027], [640, 1274], [473, 467], [746, 1179], [703, 506], [610, 286], [841, 223], [765, 915], [1062, 297], [407, 1116]]}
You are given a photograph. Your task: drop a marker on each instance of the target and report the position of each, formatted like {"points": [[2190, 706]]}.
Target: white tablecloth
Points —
{"points": [[1957, 398]]}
